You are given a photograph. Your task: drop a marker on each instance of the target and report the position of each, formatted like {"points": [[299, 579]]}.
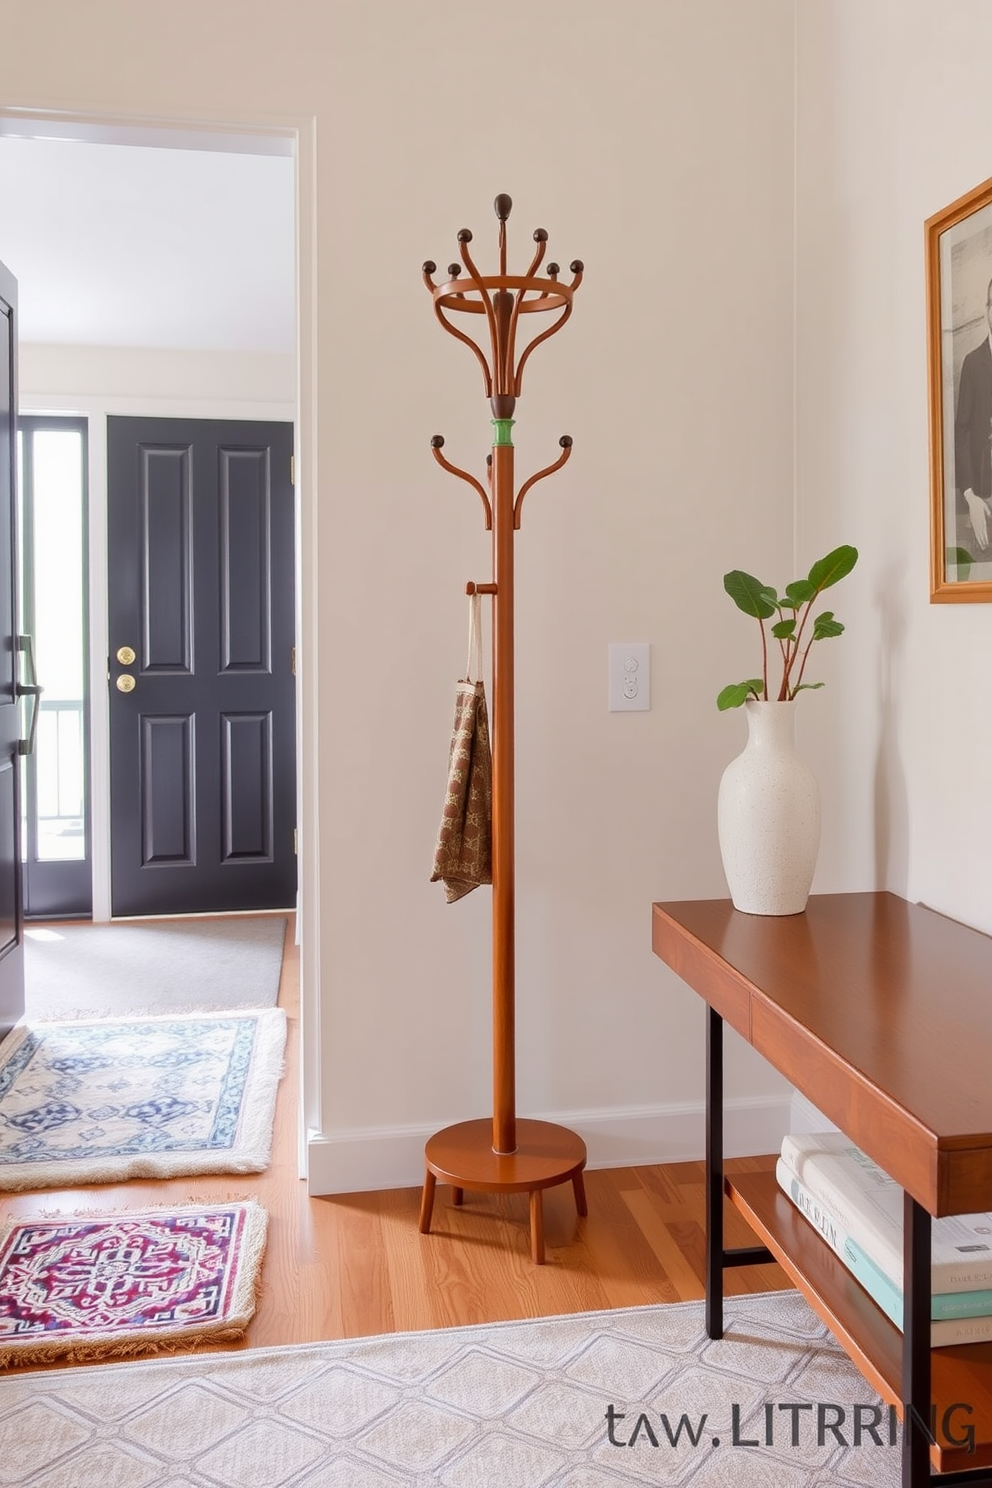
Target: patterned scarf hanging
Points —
{"points": [[463, 856]]}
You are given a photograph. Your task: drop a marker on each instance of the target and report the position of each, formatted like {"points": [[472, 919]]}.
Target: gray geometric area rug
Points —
{"points": [[116, 1098], [107, 971], [618, 1399]]}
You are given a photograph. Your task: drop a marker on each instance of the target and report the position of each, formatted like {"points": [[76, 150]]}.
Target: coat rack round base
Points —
{"points": [[546, 1155]]}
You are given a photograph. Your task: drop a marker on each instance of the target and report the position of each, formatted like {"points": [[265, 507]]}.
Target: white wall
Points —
{"points": [[55, 378], [894, 123], [653, 139]]}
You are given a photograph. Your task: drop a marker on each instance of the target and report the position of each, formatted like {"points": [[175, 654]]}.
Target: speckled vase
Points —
{"points": [[768, 816]]}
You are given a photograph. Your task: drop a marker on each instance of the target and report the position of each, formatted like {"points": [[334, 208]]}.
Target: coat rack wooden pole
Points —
{"points": [[502, 1154], [504, 917]]}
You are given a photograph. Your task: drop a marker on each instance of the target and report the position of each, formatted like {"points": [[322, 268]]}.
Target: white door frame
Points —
{"points": [[217, 134]]}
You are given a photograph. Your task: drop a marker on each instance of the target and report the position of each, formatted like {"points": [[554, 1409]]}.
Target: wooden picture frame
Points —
{"points": [[959, 370]]}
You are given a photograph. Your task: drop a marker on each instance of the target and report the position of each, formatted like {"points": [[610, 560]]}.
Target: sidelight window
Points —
{"points": [[55, 812]]}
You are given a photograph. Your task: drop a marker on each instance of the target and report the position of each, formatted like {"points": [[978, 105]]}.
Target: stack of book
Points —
{"points": [[858, 1209]]}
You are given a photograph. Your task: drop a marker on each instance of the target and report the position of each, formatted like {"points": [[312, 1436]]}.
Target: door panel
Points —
{"points": [[201, 588], [11, 910], [166, 791], [248, 800], [165, 540], [246, 567]]}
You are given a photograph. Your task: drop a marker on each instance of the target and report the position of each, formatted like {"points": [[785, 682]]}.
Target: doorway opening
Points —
{"points": [[128, 313], [132, 266]]}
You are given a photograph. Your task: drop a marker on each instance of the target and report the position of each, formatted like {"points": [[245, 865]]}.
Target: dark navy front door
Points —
{"points": [[201, 666]]}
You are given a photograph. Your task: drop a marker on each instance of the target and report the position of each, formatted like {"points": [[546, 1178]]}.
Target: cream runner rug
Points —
{"points": [[599, 1400]]}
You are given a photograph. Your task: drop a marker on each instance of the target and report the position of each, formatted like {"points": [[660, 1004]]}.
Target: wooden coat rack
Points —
{"points": [[504, 1154]]}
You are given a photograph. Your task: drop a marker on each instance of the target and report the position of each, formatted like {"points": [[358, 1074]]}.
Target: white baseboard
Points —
{"points": [[356, 1161], [804, 1116]]}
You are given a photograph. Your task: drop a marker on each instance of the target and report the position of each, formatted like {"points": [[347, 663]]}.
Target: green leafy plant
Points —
{"points": [[792, 632]]}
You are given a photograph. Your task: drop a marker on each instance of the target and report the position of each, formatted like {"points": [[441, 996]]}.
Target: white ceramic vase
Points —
{"points": [[768, 816]]}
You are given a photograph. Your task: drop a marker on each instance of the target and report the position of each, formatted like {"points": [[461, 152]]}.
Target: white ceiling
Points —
{"points": [[125, 245]]}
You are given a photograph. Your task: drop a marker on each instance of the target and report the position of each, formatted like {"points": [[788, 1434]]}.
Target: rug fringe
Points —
{"points": [[184, 1010], [94, 1351], [182, 1206]]}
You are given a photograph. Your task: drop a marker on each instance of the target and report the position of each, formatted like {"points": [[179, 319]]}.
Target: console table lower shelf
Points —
{"points": [[961, 1375]]}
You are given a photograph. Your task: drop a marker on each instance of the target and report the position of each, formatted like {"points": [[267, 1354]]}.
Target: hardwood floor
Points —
{"points": [[356, 1264]]}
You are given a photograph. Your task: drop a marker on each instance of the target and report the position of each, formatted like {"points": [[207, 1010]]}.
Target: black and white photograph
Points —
{"points": [[959, 303]]}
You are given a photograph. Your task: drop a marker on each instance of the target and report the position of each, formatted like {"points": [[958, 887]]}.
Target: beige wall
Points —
{"points": [[653, 139], [56, 378], [893, 125]]}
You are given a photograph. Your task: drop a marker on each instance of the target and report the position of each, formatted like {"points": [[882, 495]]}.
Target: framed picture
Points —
{"points": [[959, 364]]}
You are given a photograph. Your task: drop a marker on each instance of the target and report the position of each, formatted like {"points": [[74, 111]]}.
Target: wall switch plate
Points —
{"points": [[629, 676]]}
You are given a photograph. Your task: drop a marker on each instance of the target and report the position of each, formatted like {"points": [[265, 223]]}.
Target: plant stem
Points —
{"points": [[799, 634], [764, 659], [783, 646], [809, 647]]}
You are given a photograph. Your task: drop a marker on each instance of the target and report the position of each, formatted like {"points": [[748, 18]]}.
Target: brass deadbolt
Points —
{"points": [[126, 656]]}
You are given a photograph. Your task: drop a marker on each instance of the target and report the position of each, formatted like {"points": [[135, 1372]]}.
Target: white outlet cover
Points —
{"points": [[629, 675]]}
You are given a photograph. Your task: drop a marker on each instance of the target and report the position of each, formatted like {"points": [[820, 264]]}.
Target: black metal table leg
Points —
{"points": [[717, 1256], [714, 1174], [918, 1421], [916, 1439]]}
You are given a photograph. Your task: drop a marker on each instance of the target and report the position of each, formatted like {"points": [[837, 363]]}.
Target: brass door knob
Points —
{"points": [[126, 657], [125, 682]]}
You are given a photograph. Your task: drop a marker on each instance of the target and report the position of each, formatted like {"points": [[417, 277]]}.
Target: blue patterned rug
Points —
{"points": [[99, 1101]]}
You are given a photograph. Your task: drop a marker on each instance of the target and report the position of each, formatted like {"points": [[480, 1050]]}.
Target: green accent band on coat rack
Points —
{"points": [[502, 428]]}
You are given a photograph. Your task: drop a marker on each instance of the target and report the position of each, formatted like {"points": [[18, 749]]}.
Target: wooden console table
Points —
{"points": [[880, 1012]]}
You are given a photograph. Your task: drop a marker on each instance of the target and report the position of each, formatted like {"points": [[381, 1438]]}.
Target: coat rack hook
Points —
{"points": [[464, 236], [566, 449], [519, 376], [452, 299], [437, 444]]}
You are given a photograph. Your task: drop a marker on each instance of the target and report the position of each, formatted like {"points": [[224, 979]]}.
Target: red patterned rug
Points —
{"points": [[93, 1285]]}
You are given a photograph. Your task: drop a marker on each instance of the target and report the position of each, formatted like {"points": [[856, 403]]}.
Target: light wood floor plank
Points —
{"points": [[667, 1242], [356, 1264]]}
